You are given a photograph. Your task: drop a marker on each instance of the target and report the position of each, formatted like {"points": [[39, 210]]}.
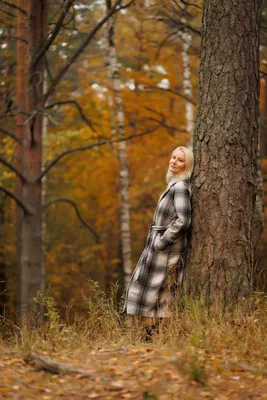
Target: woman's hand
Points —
{"points": [[159, 244]]}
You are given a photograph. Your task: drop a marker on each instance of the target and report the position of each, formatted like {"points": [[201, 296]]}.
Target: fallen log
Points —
{"points": [[45, 363]]}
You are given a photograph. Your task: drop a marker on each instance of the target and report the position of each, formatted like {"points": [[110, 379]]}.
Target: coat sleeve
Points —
{"points": [[182, 205]]}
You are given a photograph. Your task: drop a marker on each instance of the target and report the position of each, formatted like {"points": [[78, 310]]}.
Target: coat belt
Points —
{"points": [[158, 228]]}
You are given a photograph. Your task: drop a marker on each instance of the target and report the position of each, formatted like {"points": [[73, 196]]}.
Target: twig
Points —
{"points": [[12, 135], [14, 37], [54, 33], [173, 92], [7, 3], [79, 50], [191, 4], [90, 146], [79, 108], [65, 200], [14, 169]]}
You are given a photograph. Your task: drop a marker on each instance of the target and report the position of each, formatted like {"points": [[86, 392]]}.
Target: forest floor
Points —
{"points": [[145, 371]]}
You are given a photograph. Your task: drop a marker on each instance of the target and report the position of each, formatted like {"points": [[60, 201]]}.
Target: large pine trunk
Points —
{"points": [[30, 78], [225, 148]]}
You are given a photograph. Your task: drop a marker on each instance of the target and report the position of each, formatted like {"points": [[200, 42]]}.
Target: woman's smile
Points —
{"points": [[177, 162]]}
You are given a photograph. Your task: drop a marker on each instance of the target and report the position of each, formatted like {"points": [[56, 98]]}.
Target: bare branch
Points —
{"points": [[126, 5], [162, 43], [14, 169], [12, 135], [191, 4], [92, 145], [179, 26], [164, 125], [79, 108], [20, 203], [8, 13], [65, 200], [173, 92], [54, 33], [14, 37], [7, 3], [79, 50]]}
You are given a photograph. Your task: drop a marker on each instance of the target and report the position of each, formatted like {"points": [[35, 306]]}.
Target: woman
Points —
{"points": [[147, 293]]}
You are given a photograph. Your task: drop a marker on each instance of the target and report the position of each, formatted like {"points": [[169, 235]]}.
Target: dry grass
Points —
{"points": [[105, 327]]}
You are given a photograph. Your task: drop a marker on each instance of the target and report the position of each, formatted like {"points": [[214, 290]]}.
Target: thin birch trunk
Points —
{"points": [[44, 189], [187, 85], [122, 151]]}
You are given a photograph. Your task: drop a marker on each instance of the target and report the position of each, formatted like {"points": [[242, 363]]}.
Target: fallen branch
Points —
{"points": [[46, 363]]}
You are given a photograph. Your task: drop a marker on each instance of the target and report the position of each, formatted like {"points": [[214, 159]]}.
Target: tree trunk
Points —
{"points": [[3, 271], [30, 98], [122, 153], [225, 148]]}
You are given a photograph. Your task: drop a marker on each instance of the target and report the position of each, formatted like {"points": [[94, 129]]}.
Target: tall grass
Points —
{"points": [[105, 326]]}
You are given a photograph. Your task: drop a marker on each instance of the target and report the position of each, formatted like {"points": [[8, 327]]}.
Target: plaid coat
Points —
{"points": [[166, 242]]}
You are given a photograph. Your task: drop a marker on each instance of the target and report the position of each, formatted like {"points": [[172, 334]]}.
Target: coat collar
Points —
{"points": [[170, 184]]}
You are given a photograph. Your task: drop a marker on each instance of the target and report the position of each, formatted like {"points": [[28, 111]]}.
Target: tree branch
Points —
{"points": [[7, 3], [14, 37], [71, 202], [92, 145], [17, 200], [191, 4], [79, 108], [14, 169], [173, 92], [12, 135], [54, 33], [85, 43]]}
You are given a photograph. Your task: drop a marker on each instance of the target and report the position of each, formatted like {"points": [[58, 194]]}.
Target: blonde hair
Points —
{"points": [[189, 163]]}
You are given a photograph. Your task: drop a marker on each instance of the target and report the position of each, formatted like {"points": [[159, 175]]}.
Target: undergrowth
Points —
{"points": [[105, 326]]}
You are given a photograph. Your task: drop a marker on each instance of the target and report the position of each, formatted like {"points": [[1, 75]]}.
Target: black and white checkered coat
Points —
{"points": [[165, 246]]}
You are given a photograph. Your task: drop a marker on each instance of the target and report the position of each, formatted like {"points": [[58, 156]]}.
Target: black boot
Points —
{"points": [[147, 335]]}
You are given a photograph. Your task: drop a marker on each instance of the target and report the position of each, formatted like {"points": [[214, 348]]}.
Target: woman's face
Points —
{"points": [[177, 162]]}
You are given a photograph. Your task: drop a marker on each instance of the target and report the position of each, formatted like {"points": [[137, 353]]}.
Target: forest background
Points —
{"points": [[157, 46]]}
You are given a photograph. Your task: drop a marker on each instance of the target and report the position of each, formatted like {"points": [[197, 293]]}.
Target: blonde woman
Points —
{"points": [[147, 294]]}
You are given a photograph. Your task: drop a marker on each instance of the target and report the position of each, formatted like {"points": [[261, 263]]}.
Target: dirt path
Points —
{"points": [[137, 373]]}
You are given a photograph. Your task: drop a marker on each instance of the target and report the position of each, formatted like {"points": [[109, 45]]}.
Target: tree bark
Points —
{"points": [[3, 270], [30, 98], [122, 152], [225, 148]]}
